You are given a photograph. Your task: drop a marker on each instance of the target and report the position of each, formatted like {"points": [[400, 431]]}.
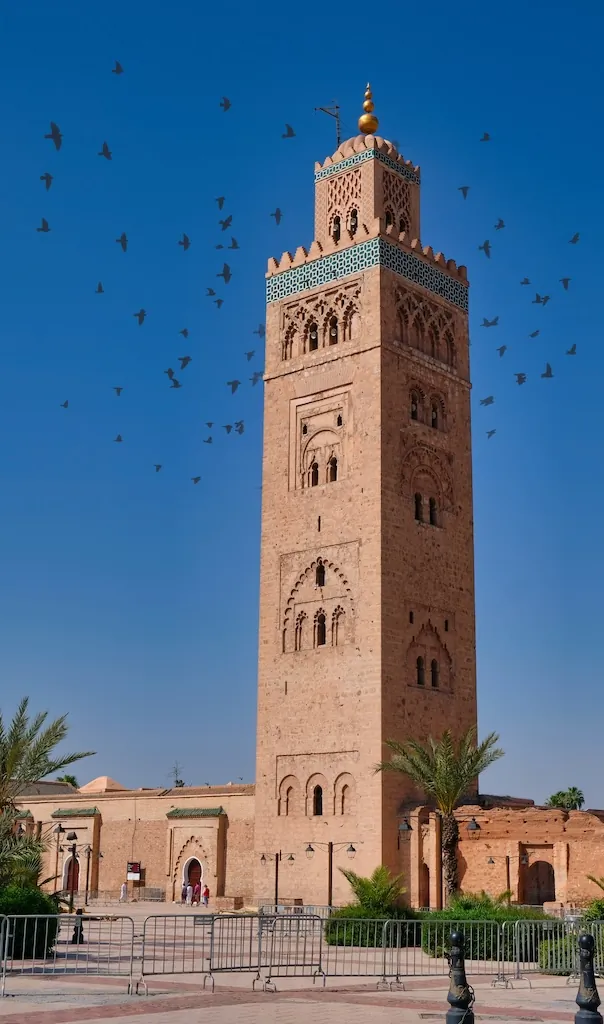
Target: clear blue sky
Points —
{"points": [[129, 598]]}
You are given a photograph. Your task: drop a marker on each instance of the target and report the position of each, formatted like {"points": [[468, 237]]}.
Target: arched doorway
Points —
{"points": [[192, 872], [540, 884], [71, 875]]}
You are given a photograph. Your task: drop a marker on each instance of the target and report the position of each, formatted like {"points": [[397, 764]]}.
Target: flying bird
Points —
{"points": [[140, 316], [106, 152], [485, 138], [487, 401], [210, 425], [119, 438], [184, 332], [289, 132], [57, 138], [234, 244], [99, 288], [573, 240], [123, 241], [208, 440], [572, 351], [502, 349], [249, 355], [277, 215], [564, 282], [118, 69], [520, 378], [170, 372], [228, 427], [185, 242], [157, 466], [226, 273], [490, 323], [490, 433], [525, 281], [260, 331], [239, 426], [220, 201], [65, 405], [225, 103], [233, 385], [195, 479], [534, 334], [184, 361], [256, 377], [464, 189], [219, 246], [118, 391], [211, 291], [175, 383], [499, 225], [486, 248], [44, 226], [47, 178], [219, 302], [226, 223], [548, 371], [537, 299], [545, 300]]}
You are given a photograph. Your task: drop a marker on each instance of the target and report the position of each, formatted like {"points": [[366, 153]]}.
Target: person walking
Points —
{"points": [[189, 894], [124, 892], [183, 894], [78, 928], [196, 894], [205, 896]]}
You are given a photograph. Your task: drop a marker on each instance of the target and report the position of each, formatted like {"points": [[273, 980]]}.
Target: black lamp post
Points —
{"points": [[58, 832], [310, 852], [278, 857]]}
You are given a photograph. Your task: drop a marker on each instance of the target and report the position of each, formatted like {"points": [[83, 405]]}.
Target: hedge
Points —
{"points": [[561, 956], [353, 925], [26, 940]]}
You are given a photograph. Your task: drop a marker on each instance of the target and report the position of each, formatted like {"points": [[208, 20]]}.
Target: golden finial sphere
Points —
{"points": [[368, 122]]}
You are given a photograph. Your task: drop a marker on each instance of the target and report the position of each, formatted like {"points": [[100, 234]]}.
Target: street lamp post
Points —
{"points": [[278, 857], [73, 849], [330, 847], [58, 832], [87, 851]]}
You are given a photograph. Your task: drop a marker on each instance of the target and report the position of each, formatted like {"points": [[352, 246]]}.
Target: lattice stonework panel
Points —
{"points": [[369, 154], [343, 190], [356, 258], [397, 196]]}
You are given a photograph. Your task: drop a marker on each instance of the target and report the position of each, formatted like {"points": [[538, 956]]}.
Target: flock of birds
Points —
{"points": [[539, 300], [237, 426]]}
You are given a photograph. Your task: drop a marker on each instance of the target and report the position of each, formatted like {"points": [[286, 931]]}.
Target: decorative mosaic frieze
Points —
{"points": [[356, 258], [369, 154]]}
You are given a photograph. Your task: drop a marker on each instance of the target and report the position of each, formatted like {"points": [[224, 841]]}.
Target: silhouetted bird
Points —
{"points": [[220, 202], [44, 228], [170, 372], [548, 371], [119, 439], [534, 334], [226, 223], [249, 355], [219, 246], [208, 440], [573, 240], [256, 377], [184, 361], [195, 479], [260, 330], [277, 215], [118, 69], [520, 378], [525, 281], [490, 323], [106, 152], [175, 383], [234, 244], [123, 241], [228, 427], [185, 242], [464, 189], [239, 426], [487, 401], [289, 132], [99, 288], [47, 178], [226, 273], [490, 433], [65, 405], [219, 302], [184, 332], [211, 291], [486, 248], [502, 349], [118, 391], [499, 225], [210, 425], [537, 299], [564, 282], [233, 385], [485, 138], [572, 351], [55, 135], [157, 466], [225, 103], [140, 316]]}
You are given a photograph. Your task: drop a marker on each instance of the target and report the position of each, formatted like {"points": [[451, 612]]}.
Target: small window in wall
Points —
{"points": [[333, 470], [333, 331], [388, 219], [434, 417], [414, 405], [433, 512], [419, 508], [305, 429], [314, 474], [434, 674], [446, 625], [339, 421], [320, 630], [354, 222], [317, 802], [421, 675], [336, 229], [344, 800], [320, 575], [288, 799], [411, 617], [313, 338]]}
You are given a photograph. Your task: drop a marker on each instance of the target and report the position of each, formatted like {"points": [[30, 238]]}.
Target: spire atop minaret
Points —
{"points": [[368, 122]]}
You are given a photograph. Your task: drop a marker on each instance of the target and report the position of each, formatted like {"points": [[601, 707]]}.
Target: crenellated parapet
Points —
{"points": [[366, 147]]}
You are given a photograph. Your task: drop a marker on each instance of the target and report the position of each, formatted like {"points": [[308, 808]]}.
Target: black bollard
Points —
{"points": [[587, 999], [460, 996]]}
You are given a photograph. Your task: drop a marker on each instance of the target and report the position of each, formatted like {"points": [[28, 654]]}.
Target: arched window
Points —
{"points": [[320, 630], [389, 219], [314, 474], [344, 799], [333, 331], [402, 225], [317, 801], [339, 421], [434, 673], [313, 337], [419, 508], [320, 575], [332, 470], [449, 353], [305, 429], [434, 417], [433, 512], [414, 405], [299, 631], [287, 345], [288, 797], [421, 676], [353, 222], [434, 344], [337, 626], [336, 229]]}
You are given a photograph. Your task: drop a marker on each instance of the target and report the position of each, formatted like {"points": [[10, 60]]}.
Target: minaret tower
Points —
{"points": [[367, 568]]}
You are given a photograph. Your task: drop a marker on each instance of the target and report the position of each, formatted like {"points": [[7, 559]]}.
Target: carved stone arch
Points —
{"points": [[436, 399], [336, 215], [288, 343], [448, 348], [433, 340], [314, 781], [312, 322], [331, 314], [418, 332], [429, 647], [339, 635], [417, 390], [421, 457], [290, 797], [310, 571], [351, 322], [344, 794], [193, 847]]}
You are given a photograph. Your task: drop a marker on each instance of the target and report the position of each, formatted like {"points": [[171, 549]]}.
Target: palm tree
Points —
{"points": [[20, 854], [69, 779], [378, 893], [570, 799], [27, 752], [445, 771]]}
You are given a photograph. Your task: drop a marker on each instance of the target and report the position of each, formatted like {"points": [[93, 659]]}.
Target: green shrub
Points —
{"points": [[27, 940], [486, 941], [594, 911], [561, 956], [354, 925]]}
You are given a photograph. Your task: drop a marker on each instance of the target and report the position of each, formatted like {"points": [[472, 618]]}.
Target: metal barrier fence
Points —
{"points": [[66, 944], [271, 910], [288, 944]]}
